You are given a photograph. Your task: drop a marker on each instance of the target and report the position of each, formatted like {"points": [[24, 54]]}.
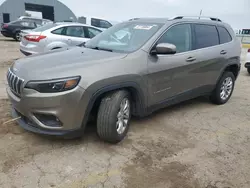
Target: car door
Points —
{"points": [[27, 25], [209, 55], [91, 32], [75, 35], [167, 74]]}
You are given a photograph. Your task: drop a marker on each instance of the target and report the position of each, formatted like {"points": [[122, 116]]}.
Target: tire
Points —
{"points": [[107, 118], [248, 70], [217, 96], [17, 36]]}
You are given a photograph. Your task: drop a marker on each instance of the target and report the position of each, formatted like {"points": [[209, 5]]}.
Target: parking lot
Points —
{"points": [[191, 145]]}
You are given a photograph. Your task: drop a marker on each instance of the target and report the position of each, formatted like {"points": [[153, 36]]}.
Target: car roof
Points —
{"points": [[74, 24], [197, 19]]}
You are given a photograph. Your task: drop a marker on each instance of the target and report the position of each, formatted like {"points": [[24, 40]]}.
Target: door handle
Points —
{"points": [[190, 59], [223, 52]]}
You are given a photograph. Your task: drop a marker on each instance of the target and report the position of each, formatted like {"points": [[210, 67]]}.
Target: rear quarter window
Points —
{"points": [[205, 36], [225, 37], [59, 31]]}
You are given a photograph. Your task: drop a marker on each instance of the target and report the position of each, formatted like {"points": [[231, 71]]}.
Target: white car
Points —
{"points": [[247, 65], [54, 36]]}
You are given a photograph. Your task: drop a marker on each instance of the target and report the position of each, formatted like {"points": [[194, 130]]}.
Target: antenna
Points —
{"points": [[200, 14]]}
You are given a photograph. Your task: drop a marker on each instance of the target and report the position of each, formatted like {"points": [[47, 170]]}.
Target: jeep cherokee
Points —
{"points": [[133, 68]]}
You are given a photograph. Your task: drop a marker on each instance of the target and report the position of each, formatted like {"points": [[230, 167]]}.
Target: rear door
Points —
{"points": [[27, 25], [75, 35], [91, 32], [202, 73]]}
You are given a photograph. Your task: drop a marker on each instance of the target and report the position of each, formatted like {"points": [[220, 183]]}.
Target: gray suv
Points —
{"points": [[131, 69]]}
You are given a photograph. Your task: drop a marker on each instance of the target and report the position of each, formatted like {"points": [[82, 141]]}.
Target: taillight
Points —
{"points": [[248, 50], [5, 25], [34, 38]]}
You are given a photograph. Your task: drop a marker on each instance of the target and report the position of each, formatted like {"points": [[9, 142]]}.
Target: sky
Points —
{"points": [[234, 12]]}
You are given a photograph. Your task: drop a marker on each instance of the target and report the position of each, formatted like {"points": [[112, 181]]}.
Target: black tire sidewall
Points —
{"points": [[218, 87], [18, 32], [115, 102], [248, 70], [116, 110]]}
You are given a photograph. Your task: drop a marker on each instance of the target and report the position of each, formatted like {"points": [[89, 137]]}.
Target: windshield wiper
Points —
{"points": [[98, 48]]}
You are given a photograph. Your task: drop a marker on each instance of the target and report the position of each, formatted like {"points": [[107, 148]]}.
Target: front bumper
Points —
{"points": [[64, 106], [29, 126]]}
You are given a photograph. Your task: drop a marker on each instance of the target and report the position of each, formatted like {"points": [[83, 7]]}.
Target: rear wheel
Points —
{"points": [[248, 70], [224, 88], [18, 36], [114, 116]]}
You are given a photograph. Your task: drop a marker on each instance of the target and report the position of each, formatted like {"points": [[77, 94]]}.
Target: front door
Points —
{"points": [[167, 73]]}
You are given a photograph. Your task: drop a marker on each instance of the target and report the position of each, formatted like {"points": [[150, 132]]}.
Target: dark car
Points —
{"points": [[14, 28]]}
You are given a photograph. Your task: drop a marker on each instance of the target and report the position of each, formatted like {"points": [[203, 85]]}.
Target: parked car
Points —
{"points": [[161, 62], [14, 28], [39, 21], [96, 22], [55, 36], [247, 64]]}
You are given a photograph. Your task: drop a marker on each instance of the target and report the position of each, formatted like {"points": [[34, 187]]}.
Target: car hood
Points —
{"points": [[61, 63]]}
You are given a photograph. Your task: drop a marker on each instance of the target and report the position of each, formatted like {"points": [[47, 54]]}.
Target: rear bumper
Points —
{"points": [[25, 53], [30, 48], [6, 34]]}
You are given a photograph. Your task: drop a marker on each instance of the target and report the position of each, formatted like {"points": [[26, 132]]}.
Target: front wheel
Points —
{"points": [[114, 115], [224, 88], [248, 70]]}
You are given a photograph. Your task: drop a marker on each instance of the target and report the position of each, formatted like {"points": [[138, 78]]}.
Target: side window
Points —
{"points": [[75, 31], [25, 24], [92, 32], [32, 24], [180, 36], [100, 23], [95, 22], [104, 24], [59, 31], [225, 37], [205, 36]]}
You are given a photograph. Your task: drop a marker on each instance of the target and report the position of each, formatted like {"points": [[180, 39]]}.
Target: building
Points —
{"points": [[50, 9]]}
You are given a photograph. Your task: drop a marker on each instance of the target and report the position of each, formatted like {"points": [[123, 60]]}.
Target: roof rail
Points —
{"points": [[198, 17], [133, 19]]}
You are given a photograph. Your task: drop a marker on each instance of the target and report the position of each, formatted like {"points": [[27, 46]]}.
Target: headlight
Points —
{"points": [[53, 86]]}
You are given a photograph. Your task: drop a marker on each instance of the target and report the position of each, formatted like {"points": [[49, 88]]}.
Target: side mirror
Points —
{"points": [[164, 49], [82, 44]]}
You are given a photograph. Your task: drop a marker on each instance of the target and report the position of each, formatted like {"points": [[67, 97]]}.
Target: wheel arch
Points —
{"points": [[137, 95], [234, 68]]}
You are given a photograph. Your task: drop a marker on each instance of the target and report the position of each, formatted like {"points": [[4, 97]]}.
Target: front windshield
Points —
{"points": [[125, 37]]}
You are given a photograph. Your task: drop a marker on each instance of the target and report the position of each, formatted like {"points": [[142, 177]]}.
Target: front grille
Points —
{"points": [[15, 83]]}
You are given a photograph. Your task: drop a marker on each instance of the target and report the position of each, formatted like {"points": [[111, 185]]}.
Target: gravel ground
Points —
{"points": [[191, 145]]}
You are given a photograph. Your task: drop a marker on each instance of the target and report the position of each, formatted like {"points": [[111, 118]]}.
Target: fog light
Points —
{"points": [[48, 120]]}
